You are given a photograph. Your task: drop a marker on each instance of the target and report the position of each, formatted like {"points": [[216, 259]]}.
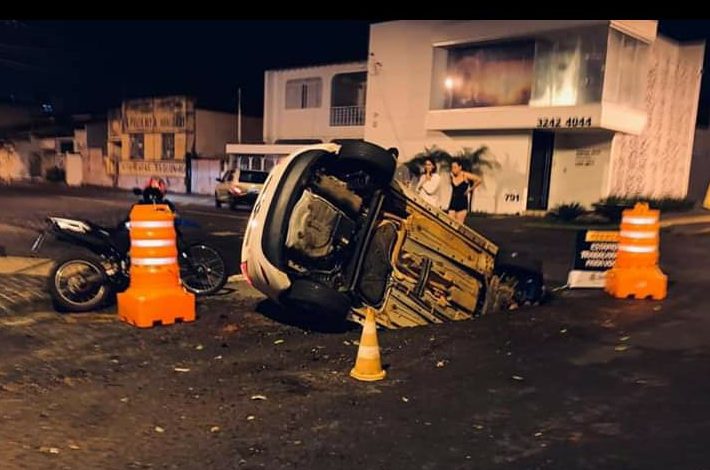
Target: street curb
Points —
{"points": [[685, 220]]}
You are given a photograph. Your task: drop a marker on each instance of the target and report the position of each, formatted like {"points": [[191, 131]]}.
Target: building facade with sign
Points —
{"points": [[569, 111], [162, 136]]}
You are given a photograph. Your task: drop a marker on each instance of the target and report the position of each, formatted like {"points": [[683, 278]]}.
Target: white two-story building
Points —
{"points": [[304, 106], [570, 111]]}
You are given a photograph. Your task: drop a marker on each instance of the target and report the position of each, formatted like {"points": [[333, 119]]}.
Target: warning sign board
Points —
{"points": [[595, 253]]}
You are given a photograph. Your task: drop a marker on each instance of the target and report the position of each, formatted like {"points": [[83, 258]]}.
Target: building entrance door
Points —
{"points": [[540, 167]]}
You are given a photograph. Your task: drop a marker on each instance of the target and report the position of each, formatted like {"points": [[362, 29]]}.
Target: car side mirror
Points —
{"points": [[219, 180], [137, 191]]}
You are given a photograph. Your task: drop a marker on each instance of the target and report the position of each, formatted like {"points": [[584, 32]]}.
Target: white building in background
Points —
{"points": [[571, 111], [305, 106]]}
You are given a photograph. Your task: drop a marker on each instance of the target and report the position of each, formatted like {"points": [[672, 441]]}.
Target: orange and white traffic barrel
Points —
{"points": [[636, 272], [155, 295]]}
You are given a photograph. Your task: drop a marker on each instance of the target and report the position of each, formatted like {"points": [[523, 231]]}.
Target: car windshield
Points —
{"points": [[257, 177]]}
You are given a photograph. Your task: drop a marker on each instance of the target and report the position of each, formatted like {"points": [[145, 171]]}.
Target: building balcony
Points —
{"points": [[346, 116]]}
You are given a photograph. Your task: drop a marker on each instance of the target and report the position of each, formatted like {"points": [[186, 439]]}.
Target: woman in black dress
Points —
{"points": [[462, 184]]}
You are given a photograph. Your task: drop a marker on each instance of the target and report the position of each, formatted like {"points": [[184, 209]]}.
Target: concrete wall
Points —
{"points": [[252, 130], [656, 163], [213, 130], [309, 123], [74, 169], [13, 167], [504, 188], [204, 175], [96, 168], [97, 135], [580, 168]]}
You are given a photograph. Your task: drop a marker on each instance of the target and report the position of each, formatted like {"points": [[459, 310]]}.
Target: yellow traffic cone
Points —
{"points": [[367, 365]]}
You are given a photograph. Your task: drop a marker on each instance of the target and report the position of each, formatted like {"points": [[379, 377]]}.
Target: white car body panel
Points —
{"points": [[263, 275]]}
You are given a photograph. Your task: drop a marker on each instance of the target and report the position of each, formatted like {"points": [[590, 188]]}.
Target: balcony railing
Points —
{"points": [[347, 116]]}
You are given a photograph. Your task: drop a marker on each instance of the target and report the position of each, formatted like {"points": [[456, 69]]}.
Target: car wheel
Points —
{"points": [[217, 202], [313, 299], [381, 163], [232, 203]]}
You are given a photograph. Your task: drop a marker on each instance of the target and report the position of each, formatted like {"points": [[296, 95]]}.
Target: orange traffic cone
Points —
{"points": [[368, 367]]}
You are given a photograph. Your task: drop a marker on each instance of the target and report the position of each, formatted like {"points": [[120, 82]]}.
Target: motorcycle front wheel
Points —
{"points": [[202, 269], [78, 284]]}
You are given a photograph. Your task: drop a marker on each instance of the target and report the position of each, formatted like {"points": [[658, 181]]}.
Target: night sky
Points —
{"points": [[92, 65]]}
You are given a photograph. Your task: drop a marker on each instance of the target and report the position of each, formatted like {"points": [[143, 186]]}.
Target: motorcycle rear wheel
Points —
{"points": [[78, 283]]}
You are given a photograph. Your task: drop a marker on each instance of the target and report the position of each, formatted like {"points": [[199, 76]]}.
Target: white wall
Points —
{"points": [[504, 188], [309, 123], [74, 169], [204, 175], [213, 130], [95, 168], [12, 166], [580, 168], [656, 163]]}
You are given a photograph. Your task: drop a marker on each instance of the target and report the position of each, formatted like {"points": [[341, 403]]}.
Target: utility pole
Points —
{"points": [[239, 115]]}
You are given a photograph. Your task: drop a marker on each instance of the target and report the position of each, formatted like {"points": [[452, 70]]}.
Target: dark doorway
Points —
{"points": [[35, 165], [540, 167]]}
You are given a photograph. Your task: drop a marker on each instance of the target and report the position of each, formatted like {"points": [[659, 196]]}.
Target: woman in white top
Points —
{"points": [[429, 184]]}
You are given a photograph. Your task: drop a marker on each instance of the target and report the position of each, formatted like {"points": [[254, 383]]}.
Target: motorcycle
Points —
{"points": [[87, 281]]}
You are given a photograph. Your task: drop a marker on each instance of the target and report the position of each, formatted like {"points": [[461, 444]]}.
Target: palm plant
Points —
{"points": [[473, 161]]}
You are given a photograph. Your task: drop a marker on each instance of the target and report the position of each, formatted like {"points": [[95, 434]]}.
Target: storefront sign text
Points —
{"points": [[150, 168]]}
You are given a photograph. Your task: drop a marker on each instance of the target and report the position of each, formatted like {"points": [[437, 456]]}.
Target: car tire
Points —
{"points": [[313, 298], [217, 202], [380, 163], [232, 203]]}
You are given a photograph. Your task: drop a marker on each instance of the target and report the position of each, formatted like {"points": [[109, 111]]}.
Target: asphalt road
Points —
{"points": [[583, 382], [23, 211]]}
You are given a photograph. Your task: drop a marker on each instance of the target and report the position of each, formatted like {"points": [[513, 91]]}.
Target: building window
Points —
{"points": [[137, 146], [489, 75], [627, 69], [569, 68], [168, 152], [552, 69], [66, 147], [304, 93], [347, 99]]}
